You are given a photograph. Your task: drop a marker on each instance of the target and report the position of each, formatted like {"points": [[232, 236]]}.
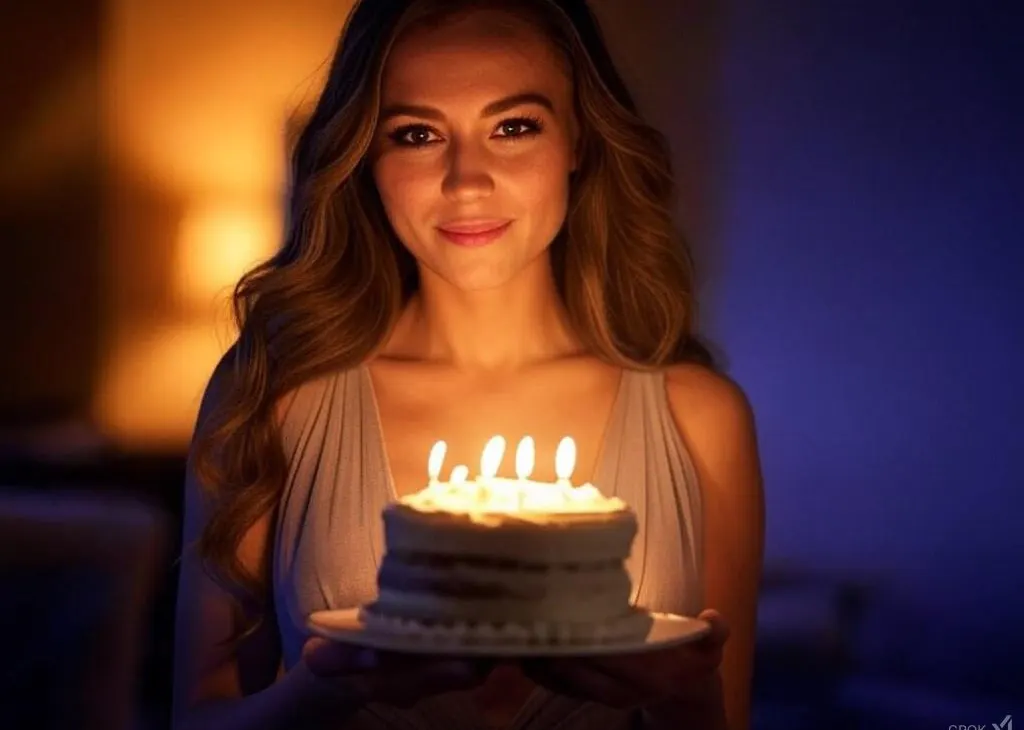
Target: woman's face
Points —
{"points": [[474, 147]]}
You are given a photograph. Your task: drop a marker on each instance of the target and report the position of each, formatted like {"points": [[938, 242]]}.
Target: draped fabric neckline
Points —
{"points": [[329, 534]]}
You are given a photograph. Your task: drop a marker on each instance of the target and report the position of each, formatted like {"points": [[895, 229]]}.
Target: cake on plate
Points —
{"points": [[499, 560]]}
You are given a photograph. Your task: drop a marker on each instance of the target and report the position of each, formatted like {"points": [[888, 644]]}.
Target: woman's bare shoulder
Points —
{"points": [[716, 422], [699, 395]]}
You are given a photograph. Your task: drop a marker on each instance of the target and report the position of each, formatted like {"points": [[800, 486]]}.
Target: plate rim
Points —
{"points": [[696, 628]]}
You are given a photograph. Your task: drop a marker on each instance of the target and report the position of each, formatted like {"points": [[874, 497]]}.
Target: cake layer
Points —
{"points": [[508, 569], [634, 625], [452, 589], [572, 539]]}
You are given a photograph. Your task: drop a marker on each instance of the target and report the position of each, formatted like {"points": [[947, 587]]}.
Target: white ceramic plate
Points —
{"points": [[345, 626]]}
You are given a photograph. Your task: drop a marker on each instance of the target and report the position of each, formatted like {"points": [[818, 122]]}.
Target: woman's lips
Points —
{"points": [[474, 233]]}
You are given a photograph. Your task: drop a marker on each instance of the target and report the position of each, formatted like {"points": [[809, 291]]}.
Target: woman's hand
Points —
{"points": [[686, 675], [358, 676]]}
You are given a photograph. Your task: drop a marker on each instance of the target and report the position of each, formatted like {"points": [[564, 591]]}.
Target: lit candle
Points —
{"points": [[491, 458], [565, 461], [525, 455], [457, 482], [459, 474], [524, 458], [435, 461]]}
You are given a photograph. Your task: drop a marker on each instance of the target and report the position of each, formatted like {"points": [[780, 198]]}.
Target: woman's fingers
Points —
{"points": [[642, 677], [397, 679], [575, 679], [327, 658], [404, 687], [719, 627], [330, 658]]}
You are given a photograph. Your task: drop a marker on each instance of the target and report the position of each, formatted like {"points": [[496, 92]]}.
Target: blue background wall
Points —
{"points": [[870, 302]]}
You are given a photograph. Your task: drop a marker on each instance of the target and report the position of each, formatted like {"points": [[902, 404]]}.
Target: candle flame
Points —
{"points": [[489, 495], [491, 458], [525, 458], [565, 458], [436, 460]]}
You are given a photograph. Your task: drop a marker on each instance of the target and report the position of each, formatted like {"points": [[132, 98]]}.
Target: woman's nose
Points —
{"points": [[468, 175]]}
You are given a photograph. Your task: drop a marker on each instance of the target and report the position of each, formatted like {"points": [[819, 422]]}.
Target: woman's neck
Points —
{"points": [[501, 329]]}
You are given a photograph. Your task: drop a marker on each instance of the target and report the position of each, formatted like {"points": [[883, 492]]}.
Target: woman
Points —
{"points": [[480, 243]]}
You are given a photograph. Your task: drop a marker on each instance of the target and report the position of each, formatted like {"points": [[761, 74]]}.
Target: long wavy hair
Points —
{"points": [[329, 298]]}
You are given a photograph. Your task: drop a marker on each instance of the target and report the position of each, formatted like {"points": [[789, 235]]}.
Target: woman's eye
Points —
{"points": [[413, 136], [523, 127]]}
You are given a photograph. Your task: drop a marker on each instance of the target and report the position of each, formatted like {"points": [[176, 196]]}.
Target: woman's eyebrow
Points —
{"points": [[492, 109]]}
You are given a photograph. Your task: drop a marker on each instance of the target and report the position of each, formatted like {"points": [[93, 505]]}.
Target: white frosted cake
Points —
{"points": [[507, 560]]}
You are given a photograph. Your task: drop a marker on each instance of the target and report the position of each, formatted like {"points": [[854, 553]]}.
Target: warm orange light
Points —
{"points": [[152, 386], [199, 94], [196, 99], [219, 243]]}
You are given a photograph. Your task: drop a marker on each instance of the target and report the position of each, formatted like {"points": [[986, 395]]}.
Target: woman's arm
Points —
{"points": [[240, 688], [717, 425], [296, 702]]}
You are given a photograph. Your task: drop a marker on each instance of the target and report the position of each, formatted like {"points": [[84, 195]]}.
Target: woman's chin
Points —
{"points": [[481, 277], [478, 283]]}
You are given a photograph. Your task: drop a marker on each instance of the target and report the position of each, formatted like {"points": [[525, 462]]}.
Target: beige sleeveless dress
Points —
{"points": [[329, 539]]}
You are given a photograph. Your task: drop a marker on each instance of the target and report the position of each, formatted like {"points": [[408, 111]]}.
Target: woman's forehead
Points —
{"points": [[484, 48]]}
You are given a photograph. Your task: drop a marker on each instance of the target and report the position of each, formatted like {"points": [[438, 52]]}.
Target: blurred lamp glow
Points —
{"points": [[218, 243]]}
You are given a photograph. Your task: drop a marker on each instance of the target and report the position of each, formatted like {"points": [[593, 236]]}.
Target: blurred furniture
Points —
{"points": [[152, 479], [807, 627], [77, 574]]}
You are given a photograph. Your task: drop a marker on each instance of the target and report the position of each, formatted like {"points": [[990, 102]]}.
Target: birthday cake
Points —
{"points": [[513, 561]]}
